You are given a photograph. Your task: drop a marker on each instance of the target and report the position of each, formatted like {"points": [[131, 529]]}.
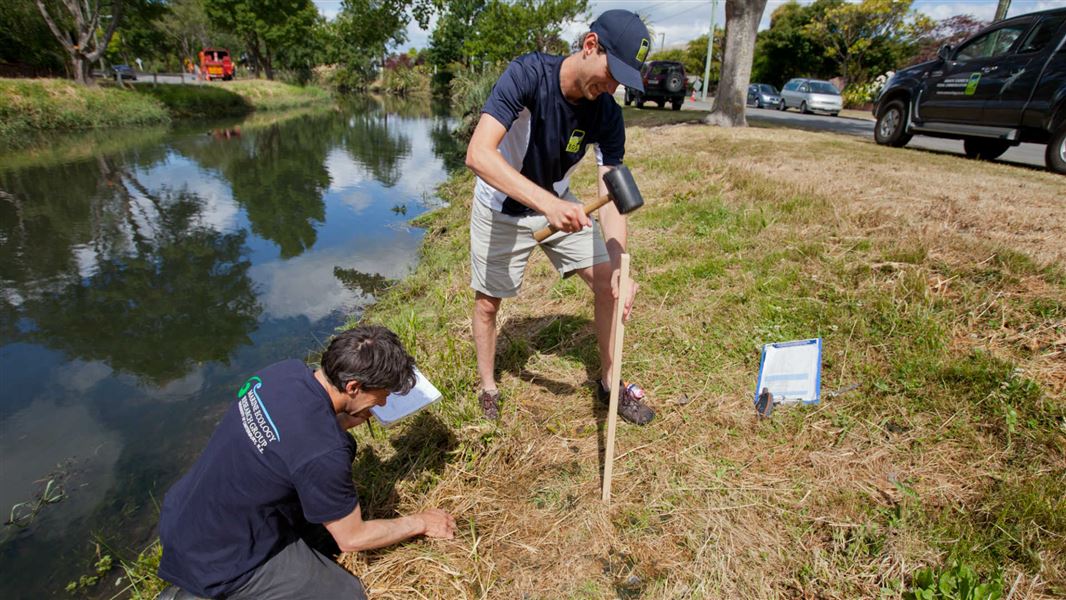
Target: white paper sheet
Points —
{"points": [[792, 371], [397, 407]]}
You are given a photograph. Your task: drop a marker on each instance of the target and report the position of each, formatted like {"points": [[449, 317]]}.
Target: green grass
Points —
{"points": [[203, 101], [32, 108], [730, 257], [29, 106]]}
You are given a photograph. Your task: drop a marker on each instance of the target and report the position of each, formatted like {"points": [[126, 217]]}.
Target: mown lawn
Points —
{"points": [[938, 287]]}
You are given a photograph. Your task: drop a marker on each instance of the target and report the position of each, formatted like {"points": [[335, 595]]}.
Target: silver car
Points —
{"points": [[763, 95], [811, 95]]}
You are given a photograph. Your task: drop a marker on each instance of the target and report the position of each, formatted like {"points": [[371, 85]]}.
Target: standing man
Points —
{"points": [[280, 464], [540, 117]]}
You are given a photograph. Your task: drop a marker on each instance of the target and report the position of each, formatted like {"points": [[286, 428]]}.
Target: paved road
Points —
{"points": [[1031, 155]]}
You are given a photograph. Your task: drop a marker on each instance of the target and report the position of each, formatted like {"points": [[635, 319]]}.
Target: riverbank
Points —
{"points": [[945, 308], [30, 107]]}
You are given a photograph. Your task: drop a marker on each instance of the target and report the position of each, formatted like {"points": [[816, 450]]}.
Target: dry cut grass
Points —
{"points": [[937, 285]]}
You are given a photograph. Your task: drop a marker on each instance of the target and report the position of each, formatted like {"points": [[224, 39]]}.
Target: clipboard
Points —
{"points": [[791, 371], [397, 406]]}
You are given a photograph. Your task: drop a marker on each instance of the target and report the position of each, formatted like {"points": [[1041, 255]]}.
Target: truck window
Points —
{"points": [[1041, 35], [992, 43]]}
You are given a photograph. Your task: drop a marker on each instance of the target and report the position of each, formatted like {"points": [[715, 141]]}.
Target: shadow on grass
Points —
{"points": [[566, 336], [421, 452], [197, 101]]}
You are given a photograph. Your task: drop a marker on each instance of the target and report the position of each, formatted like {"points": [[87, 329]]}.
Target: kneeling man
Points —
{"points": [[280, 463]]}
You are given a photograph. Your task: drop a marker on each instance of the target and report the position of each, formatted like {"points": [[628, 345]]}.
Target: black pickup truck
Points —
{"points": [[1003, 86]]}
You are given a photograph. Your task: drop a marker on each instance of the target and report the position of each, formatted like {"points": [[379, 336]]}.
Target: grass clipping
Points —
{"points": [[938, 286]]}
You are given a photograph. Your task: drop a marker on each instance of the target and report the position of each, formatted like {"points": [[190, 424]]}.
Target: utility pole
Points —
{"points": [[710, 49], [662, 42], [1001, 10]]}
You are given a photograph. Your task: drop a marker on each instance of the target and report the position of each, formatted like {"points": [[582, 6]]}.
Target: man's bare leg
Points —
{"points": [[631, 404], [484, 326], [598, 277]]}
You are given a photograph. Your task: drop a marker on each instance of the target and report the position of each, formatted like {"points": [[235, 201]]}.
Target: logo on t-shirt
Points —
{"points": [[576, 137], [643, 51], [254, 416]]}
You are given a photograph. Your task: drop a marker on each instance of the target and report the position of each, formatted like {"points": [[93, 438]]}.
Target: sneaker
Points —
{"points": [[630, 402], [490, 404]]}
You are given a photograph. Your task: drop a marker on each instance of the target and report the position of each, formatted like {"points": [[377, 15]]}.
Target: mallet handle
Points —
{"points": [[543, 234], [618, 329]]}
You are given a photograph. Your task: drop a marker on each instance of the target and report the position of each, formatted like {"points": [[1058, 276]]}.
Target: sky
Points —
{"points": [[678, 21]]}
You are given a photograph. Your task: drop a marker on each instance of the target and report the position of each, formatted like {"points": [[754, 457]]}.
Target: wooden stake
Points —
{"points": [[618, 333]]}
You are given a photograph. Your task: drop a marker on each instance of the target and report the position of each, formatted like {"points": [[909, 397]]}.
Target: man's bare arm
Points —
{"points": [[353, 534]]}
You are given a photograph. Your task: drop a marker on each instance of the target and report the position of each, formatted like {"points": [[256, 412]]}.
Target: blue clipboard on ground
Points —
{"points": [[397, 406], [791, 372]]}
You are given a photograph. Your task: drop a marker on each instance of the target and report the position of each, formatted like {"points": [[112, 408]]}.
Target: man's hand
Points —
{"points": [[567, 216], [633, 285], [437, 523]]}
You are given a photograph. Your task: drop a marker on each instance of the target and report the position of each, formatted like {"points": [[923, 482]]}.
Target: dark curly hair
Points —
{"points": [[372, 355]]}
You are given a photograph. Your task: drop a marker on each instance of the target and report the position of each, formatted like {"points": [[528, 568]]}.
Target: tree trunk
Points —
{"points": [[81, 43], [268, 66], [741, 24]]}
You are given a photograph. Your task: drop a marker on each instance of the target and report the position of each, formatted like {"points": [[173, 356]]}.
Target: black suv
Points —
{"points": [[664, 81], [1003, 86]]}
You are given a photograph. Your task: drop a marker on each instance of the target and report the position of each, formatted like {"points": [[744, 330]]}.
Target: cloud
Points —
{"points": [[306, 286]]}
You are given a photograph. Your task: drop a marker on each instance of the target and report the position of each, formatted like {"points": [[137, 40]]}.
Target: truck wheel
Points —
{"points": [[1055, 155], [983, 148], [891, 127], [782, 107], [640, 101], [676, 104], [803, 107]]}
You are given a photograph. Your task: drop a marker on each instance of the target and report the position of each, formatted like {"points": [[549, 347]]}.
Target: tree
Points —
{"points": [[453, 26], [361, 35], [25, 42], [267, 27], [741, 22], [870, 37], [76, 27], [786, 50], [505, 30], [187, 26]]}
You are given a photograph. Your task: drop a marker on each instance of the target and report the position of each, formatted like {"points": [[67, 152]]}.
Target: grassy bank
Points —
{"points": [[939, 290], [29, 107]]}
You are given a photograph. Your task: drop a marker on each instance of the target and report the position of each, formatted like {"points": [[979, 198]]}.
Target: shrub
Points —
{"points": [[470, 90], [858, 95]]}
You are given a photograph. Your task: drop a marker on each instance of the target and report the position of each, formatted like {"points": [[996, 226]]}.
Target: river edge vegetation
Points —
{"points": [[947, 310], [29, 107]]}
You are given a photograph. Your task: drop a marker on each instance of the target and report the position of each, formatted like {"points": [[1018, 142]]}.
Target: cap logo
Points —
{"points": [[643, 51]]}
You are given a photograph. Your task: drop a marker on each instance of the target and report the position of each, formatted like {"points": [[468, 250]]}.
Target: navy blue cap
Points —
{"points": [[627, 41]]}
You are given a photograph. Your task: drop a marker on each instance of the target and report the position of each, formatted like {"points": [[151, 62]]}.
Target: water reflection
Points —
{"points": [[140, 281]]}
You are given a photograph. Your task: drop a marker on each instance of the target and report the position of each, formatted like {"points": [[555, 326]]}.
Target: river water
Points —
{"points": [[145, 272]]}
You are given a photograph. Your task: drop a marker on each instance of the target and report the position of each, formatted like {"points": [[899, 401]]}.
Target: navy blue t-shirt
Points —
{"points": [[277, 458], [546, 134]]}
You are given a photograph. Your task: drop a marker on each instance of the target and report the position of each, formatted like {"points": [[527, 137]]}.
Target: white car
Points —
{"points": [[811, 95]]}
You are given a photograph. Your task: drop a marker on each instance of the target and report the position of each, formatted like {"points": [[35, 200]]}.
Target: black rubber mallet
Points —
{"points": [[621, 189]]}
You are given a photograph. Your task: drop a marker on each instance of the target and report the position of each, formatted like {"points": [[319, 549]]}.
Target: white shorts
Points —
{"points": [[500, 246]]}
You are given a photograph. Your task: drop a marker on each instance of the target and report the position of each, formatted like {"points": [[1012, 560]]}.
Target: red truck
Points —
{"points": [[215, 63]]}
